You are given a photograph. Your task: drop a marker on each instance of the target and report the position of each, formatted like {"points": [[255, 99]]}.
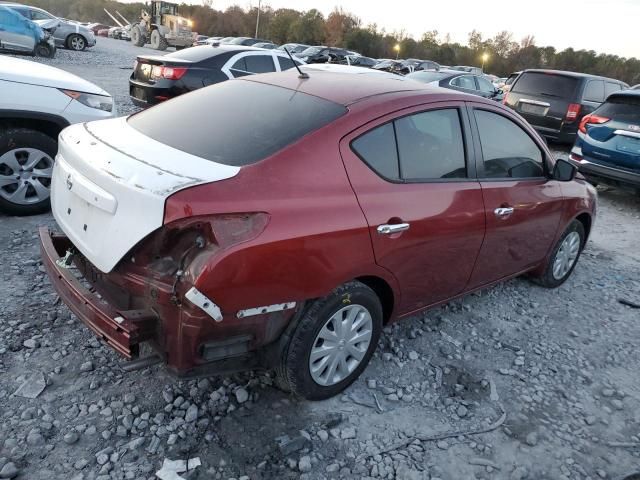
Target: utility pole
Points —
{"points": [[258, 19]]}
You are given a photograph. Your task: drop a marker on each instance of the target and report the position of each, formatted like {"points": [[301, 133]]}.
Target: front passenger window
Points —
{"points": [[508, 151]]}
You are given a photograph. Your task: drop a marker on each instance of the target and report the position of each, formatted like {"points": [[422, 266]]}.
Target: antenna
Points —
{"points": [[302, 74]]}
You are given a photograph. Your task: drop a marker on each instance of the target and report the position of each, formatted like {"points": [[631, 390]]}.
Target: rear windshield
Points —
{"points": [[547, 84], [194, 54], [621, 109], [236, 122], [428, 76]]}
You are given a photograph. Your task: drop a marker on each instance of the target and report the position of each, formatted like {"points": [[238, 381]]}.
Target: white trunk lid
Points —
{"points": [[110, 183]]}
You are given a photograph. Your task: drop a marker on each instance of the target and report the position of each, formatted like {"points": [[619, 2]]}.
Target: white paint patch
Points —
{"points": [[278, 307], [110, 184], [199, 300]]}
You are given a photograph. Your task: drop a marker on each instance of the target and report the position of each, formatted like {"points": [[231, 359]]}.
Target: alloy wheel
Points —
{"points": [[340, 345], [567, 255], [77, 42], [25, 176]]}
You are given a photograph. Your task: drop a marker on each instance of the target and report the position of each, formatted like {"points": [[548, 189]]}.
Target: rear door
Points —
{"points": [[543, 98], [414, 176], [523, 206]]}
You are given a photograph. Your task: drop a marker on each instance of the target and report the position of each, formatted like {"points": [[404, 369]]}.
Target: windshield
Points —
{"points": [[250, 121], [547, 84]]}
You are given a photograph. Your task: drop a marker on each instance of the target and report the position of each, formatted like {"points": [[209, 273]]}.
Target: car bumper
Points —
{"points": [[122, 330], [143, 95], [605, 174], [566, 133], [126, 310]]}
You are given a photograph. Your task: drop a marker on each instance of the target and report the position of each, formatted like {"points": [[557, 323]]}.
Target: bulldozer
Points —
{"points": [[162, 28]]}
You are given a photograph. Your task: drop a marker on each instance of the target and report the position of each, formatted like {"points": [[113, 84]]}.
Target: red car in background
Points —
{"points": [[287, 219]]}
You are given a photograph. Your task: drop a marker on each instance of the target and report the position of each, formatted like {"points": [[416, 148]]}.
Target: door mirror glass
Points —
{"points": [[563, 171]]}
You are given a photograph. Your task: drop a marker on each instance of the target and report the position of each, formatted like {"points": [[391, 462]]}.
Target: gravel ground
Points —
{"points": [[514, 382]]}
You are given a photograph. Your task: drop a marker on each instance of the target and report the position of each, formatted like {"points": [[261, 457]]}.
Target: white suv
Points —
{"points": [[36, 103]]}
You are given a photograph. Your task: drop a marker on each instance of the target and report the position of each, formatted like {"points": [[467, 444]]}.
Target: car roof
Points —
{"points": [[343, 88], [567, 73], [213, 49], [625, 93]]}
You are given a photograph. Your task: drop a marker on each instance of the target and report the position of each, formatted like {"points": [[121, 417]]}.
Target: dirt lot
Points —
{"points": [[515, 382]]}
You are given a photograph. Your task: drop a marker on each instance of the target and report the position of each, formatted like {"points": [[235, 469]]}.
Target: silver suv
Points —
{"points": [[69, 34]]}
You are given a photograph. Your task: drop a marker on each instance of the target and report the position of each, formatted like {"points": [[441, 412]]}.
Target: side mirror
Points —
{"points": [[563, 171]]}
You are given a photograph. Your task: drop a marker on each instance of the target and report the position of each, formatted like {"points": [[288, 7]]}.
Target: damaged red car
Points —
{"points": [[280, 221]]}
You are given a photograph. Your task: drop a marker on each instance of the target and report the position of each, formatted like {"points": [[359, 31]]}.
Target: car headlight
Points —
{"points": [[101, 102]]}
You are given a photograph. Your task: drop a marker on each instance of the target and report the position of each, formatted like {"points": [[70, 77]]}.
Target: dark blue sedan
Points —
{"points": [[607, 149]]}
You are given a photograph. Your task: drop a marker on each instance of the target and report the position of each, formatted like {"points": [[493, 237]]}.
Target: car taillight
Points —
{"points": [[168, 73], [591, 119], [572, 112]]}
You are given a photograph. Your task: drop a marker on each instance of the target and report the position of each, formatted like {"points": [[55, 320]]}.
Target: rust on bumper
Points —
{"points": [[122, 330]]}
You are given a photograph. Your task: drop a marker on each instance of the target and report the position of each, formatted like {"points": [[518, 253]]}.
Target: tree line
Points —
{"points": [[340, 28]]}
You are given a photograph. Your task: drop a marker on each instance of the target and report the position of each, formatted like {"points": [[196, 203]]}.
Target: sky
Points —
{"points": [[606, 26]]}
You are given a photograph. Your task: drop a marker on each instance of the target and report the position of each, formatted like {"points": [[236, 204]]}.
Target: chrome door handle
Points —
{"points": [[390, 229], [503, 212]]}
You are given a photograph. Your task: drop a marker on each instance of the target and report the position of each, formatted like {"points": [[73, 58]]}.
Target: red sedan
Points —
{"points": [[279, 221]]}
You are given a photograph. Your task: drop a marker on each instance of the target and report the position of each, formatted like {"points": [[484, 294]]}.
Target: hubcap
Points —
{"points": [[567, 255], [25, 176], [77, 43], [340, 345]]}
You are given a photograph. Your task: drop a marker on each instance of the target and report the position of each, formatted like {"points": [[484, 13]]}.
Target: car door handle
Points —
{"points": [[391, 229], [503, 212]]}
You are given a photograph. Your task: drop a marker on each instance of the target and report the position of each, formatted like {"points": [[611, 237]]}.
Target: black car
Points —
{"points": [[323, 55], [294, 48], [246, 41], [359, 61], [554, 101], [158, 78], [458, 80], [388, 65]]}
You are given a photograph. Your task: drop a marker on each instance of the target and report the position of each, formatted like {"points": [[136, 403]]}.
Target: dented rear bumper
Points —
{"points": [[123, 330]]}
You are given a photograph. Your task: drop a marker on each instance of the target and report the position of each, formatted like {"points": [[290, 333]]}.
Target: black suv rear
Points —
{"points": [[554, 102]]}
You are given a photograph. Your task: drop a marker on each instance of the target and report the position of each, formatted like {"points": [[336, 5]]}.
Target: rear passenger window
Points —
{"points": [[286, 63], [507, 150], [430, 145], [260, 63], [239, 68], [464, 82], [594, 91], [377, 148], [610, 87]]}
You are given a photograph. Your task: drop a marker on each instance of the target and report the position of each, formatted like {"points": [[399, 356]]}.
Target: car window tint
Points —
{"points": [[485, 85], [594, 91], [377, 148], [270, 117], [286, 63], [621, 108], [610, 87], [547, 84], [37, 15], [430, 145], [260, 64], [464, 81], [507, 150]]}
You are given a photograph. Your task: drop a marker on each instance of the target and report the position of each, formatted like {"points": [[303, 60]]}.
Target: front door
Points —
{"points": [[523, 205], [417, 189]]}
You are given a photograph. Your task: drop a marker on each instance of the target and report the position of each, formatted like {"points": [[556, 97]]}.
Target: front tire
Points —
{"points": [[158, 41], [45, 50], [564, 257], [26, 166], [137, 37], [76, 42], [332, 343]]}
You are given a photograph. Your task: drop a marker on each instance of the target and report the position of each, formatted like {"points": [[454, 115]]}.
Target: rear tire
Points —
{"points": [[137, 37], [352, 315], [564, 257], [26, 164], [158, 41]]}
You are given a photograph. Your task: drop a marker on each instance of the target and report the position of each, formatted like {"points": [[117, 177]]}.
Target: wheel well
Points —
{"points": [[384, 292], [585, 220], [47, 127]]}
